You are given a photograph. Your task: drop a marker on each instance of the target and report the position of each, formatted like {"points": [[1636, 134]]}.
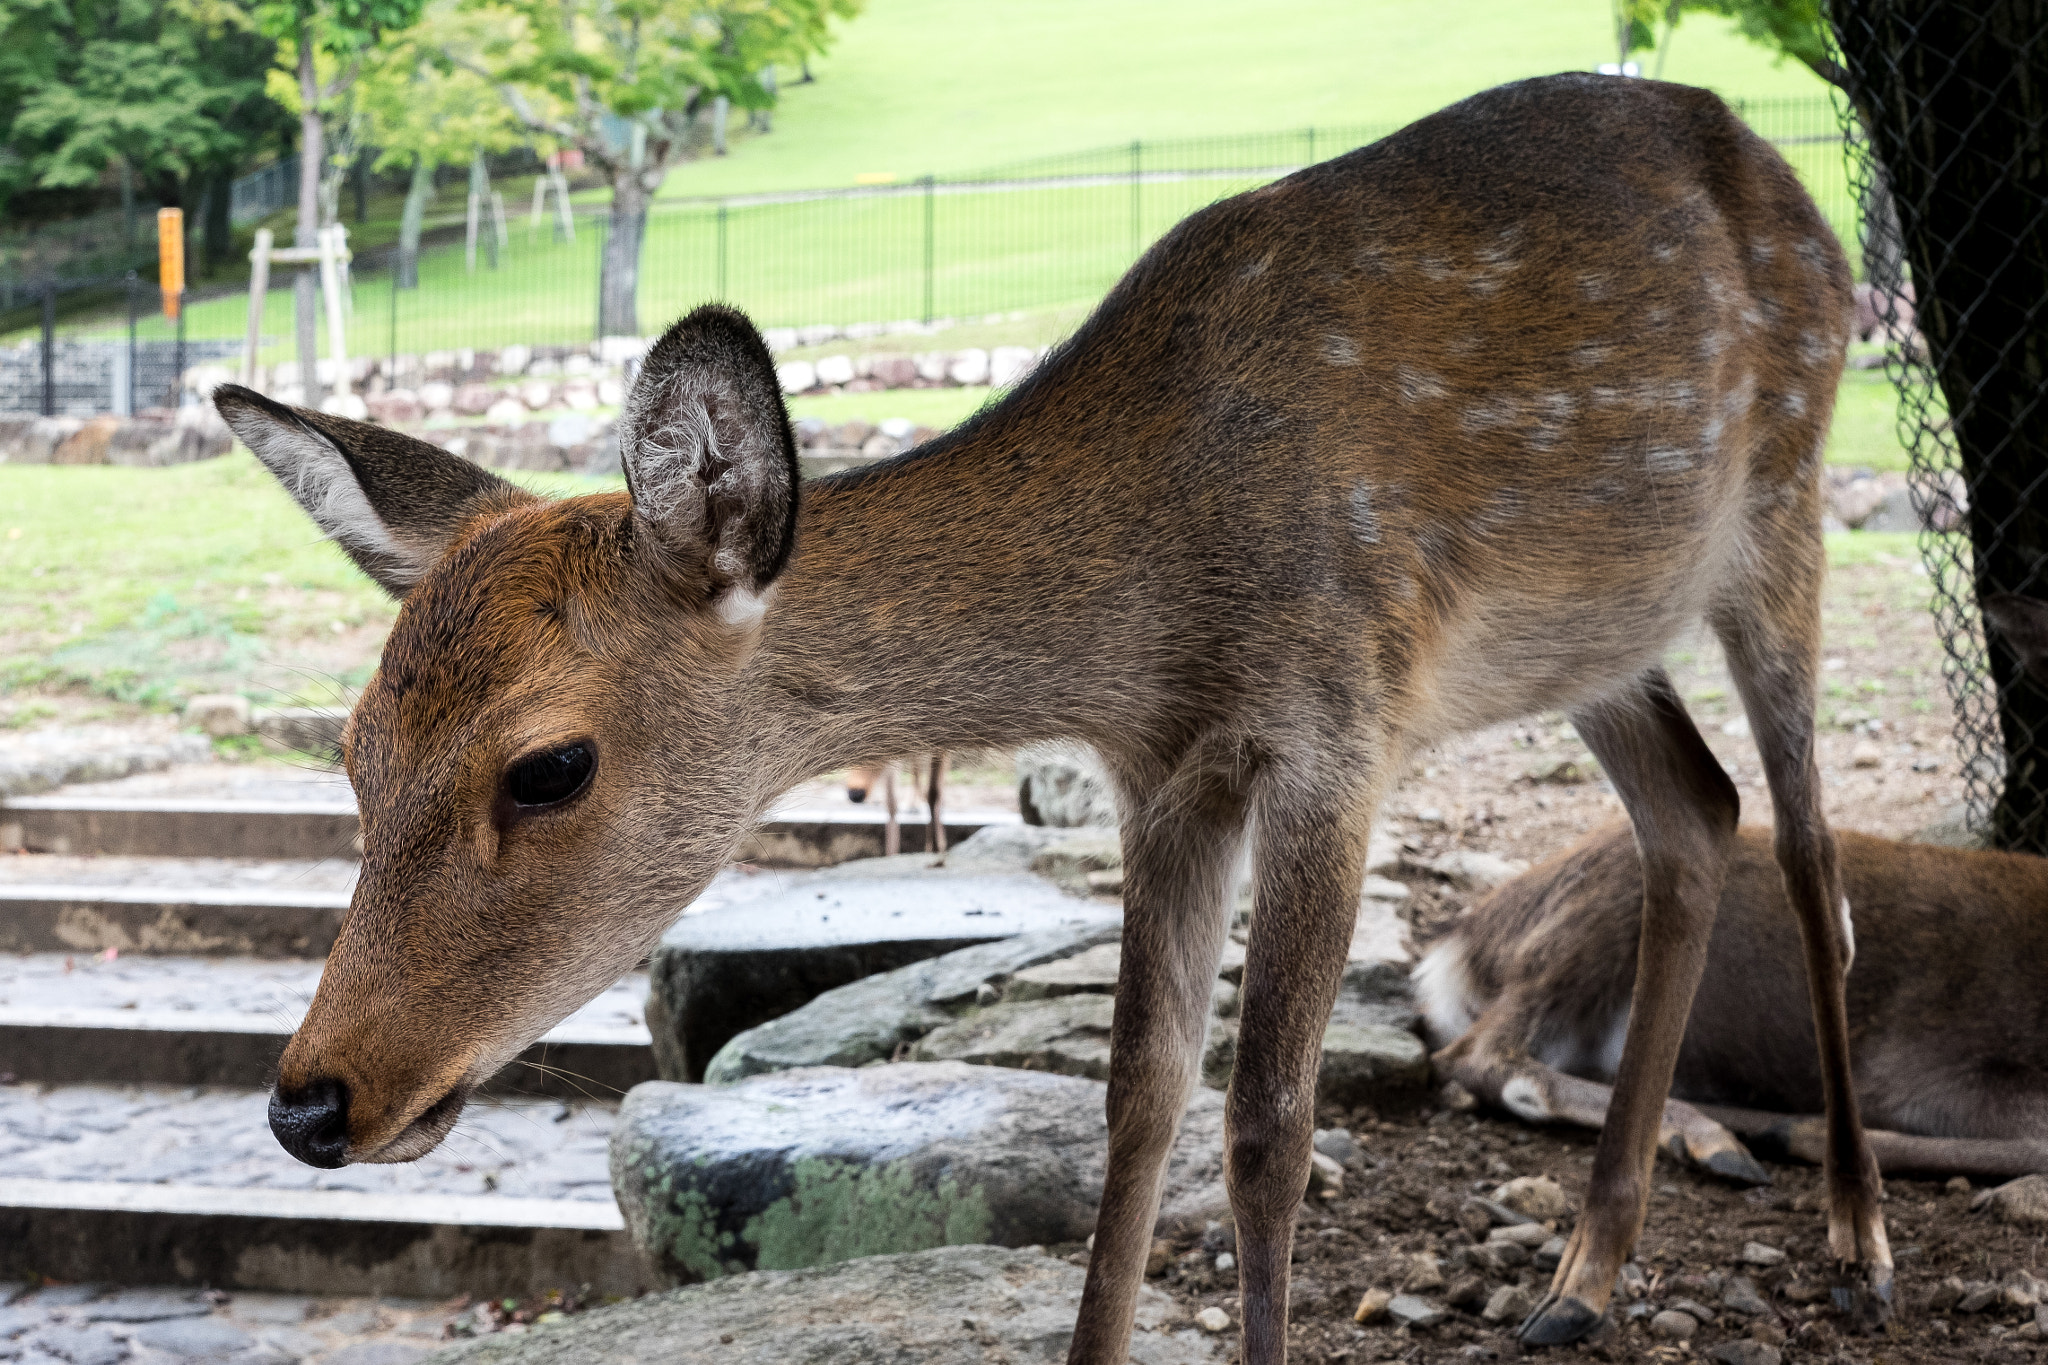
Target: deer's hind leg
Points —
{"points": [[1769, 625], [1684, 810], [1181, 835]]}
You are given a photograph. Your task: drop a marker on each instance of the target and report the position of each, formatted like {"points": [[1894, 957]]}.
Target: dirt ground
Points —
{"points": [[1525, 791]]}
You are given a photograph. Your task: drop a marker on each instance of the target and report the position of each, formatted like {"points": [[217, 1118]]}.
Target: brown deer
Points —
{"points": [[1529, 997], [1465, 424], [865, 777]]}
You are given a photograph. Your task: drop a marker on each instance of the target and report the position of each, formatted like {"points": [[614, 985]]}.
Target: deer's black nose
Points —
{"points": [[312, 1123]]}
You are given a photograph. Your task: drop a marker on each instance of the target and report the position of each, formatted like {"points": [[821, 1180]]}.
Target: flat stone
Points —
{"points": [[1067, 1035], [93, 1345], [1411, 1311], [1743, 1352], [1509, 1303], [2022, 1202], [809, 1167], [1672, 1325], [195, 1338], [868, 1020], [1757, 1254], [1527, 1235], [1741, 1297], [963, 1305], [146, 1307], [1213, 1319], [1363, 1061], [376, 1353], [1339, 1145], [720, 973], [65, 1295], [1536, 1197], [1063, 784], [1470, 870], [1092, 970]]}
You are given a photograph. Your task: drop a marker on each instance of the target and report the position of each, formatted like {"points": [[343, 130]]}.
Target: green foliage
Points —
{"points": [[420, 106], [1791, 28]]}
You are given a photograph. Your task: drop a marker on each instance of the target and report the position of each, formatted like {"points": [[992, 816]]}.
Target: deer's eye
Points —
{"points": [[548, 779]]}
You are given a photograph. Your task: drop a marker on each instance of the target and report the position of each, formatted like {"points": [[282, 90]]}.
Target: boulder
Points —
{"points": [[1064, 785], [969, 367], [1067, 1035], [893, 371], [826, 1164], [835, 369], [795, 376], [218, 714], [306, 729], [959, 1305], [1362, 1062], [869, 1020], [2022, 1202], [719, 974]]}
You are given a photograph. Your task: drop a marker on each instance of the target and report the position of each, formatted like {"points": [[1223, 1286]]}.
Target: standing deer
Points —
{"points": [[1465, 424], [1529, 995], [865, 777]]}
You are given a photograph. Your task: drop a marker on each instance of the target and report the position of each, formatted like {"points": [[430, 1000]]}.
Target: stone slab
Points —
{"points": [[89, 919], [964, 1305], [720, 973], [825, 1164]]}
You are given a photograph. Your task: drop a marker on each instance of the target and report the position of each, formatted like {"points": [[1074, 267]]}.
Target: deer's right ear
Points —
{"points": [[391, 502], [711, 460]]}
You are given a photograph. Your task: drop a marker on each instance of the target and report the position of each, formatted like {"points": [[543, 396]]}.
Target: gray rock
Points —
{"points": [[809, 1167], [376, 1353], [719, 974], [1672, 1325], [1362, 1061], [955, 1306], [219, 714], [1094, 970], [65, 1295], [1067, 1035], [1339, 1145], [195, 1339], [1741, 1297], [869, 1019], [306, 729], [2023, 1202], [1412, 1311], [1376, 992], [15, 1321], [80, 1345], [1745, 1353], [1064, 785], [144, 1306]]}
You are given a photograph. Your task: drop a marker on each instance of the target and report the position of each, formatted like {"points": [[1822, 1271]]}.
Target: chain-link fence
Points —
{"points": [[1953, 177], [1053, 232]]}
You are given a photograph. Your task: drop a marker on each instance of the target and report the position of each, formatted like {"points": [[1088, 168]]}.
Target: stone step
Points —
{"points": [[162, 1185], [160, 827], [225, 1021], [194, 921]]}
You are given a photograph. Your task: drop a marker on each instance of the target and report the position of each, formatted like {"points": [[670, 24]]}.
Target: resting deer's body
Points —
{"points": [[1529, 994], [1463, 425]]}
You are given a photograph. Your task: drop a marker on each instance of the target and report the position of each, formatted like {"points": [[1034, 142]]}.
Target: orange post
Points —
{"points": [[170, 258]]}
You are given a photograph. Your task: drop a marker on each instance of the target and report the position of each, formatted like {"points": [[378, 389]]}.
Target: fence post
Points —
{"points": [[721, 251], [1311, 133], [178, 369], [49, 348], [391, 371], [1137, 156], [133, 285], [930, 198]]}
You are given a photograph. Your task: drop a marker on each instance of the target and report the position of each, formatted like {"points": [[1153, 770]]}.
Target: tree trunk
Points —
{"points": [[721, 110], [416, 196], [306, 287], [618, 313], [1955, 95], [220, 226]]}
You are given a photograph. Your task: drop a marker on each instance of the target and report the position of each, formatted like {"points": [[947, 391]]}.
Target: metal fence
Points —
{"points": [[263, 192], [1954, 180], [1041, 234]]}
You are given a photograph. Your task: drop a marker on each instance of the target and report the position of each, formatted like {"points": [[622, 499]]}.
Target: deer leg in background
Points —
{"points": [[1805, 1137], [935, 798], [1492, 1061], [1180, 836], [1683, 808], [892, 833], [1309, 864], [1770, 629]]}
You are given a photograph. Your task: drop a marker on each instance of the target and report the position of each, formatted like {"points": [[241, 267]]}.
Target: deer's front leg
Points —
{"points": [[1179, 847], [1311, 862]]}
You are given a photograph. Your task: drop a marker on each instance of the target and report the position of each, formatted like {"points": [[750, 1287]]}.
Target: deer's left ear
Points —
{"points": [[711, 460]]}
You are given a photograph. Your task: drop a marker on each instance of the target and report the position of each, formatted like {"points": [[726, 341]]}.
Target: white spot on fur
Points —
{"points": [[1434, 268], [1664, 252], [741, 607], [1812, 349], [1524, 1099], [1445, 993], [1501, 410], [1795, 404], [1811, 251], [1594, 284], [1665, 461], [1712, 344], [1418, 385], [1340, 350], [1762, 252], [1365, 522], [1251, 270], [1591, 353]]}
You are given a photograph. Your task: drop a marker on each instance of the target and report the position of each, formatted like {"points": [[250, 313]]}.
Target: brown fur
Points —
{"points": [[1462, 425], [1950, 1043]]}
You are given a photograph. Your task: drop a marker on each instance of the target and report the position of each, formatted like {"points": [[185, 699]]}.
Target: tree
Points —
{"points": [[1792, 28], [311, 34], [624, 81], [422, 112], [170, 89]]}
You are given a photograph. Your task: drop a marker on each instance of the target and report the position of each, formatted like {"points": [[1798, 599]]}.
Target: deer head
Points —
{"points": [[550, 759]]}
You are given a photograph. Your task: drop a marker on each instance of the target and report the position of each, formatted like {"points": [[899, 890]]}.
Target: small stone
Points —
{"points": [[1338, 1145], [1977, 1298], [1741, 1297], [219, 714], [1957, 1184], [1372, 1305], [1744, 1353], [1424, 1272], [1767, 1331], [2022, 1202], [1219, 1236], [1526, 1235], [1672, 1325], [1865, 754], [1225, 1262], [1631, 1281], [1944, 1296], [376, 1353], [1325, 1177], [1699, 1311], [1213, 1319], [1411, 1311], [1550, 1254], [1536, 1197], [1160, 1257], [1468, 1291], [1757, 1254], [1510, 1303], [1470, 870]]}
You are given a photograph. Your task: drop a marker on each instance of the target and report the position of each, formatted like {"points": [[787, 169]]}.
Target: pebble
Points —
{"points": [[1694, 1309], [1745, 1353], [1510, 1303], [1757, 1254], [1866, 754], [1225, 1262], [1212, 1319], [1424, 1272], [1411, 1311], [1536, 1197], [1338, 1144], [1672, 1325], [1528, 1235], [399, 1353], [1741, 1297], [1468, 1292], [1550, 1254], [2022, 1202], [1372, 1305]]}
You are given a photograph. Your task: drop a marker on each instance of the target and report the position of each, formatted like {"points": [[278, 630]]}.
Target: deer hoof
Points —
{"points": [[1736, 1165], [1863, 1295], [1557, 1322]]}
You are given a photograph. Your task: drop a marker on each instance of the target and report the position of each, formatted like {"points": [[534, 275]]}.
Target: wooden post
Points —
{"points": [[330, 283], [259, 284]]}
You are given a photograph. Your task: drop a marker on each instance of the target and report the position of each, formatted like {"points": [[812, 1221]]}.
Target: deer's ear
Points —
{"points": [[391, 502], [2023, 621], [711, 460]]}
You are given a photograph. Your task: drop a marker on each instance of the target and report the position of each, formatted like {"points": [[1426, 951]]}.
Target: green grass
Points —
{"points": [[1866, 426]]}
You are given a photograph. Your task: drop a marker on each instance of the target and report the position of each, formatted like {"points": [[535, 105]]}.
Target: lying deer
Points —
{"points": [[1463, 425], [865, 777], [1529, 995]]}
